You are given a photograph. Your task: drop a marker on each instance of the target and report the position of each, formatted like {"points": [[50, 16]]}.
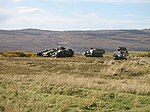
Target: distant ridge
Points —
{"points": [[35, 40]]}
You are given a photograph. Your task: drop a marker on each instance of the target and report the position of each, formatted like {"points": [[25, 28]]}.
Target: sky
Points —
{"points": [[74, 14]]}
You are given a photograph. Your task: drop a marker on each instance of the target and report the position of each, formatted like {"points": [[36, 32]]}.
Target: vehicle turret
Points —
{"points": [[94, 52], [121, 53]]}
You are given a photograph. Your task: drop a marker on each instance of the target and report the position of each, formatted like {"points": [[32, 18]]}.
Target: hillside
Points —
{"points": [[76, 84], [34, 40]]}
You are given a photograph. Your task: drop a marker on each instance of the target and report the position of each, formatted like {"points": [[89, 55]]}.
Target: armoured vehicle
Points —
{"points": [[58, 52], [46, 52], [121, 54], [94, 53]]}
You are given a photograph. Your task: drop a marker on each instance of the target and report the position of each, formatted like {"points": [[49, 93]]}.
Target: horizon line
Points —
{"points": [[75, 29]]}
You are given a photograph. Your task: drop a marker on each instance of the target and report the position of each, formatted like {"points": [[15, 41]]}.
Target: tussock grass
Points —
{"points": [[140, 54], [74, 84], [17, 54]]}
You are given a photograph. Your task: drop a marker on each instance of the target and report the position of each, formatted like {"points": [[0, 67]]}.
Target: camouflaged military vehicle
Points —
{"points": [[58, 52], [46, 52], [121, 54], [94, 53]]}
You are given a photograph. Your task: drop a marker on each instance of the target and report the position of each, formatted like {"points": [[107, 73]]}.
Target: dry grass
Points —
{"points": [[140, 54], [74, 84], [17, 54]]}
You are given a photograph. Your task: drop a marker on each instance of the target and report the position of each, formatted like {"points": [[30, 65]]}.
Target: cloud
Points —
{"points": [[4, 3], [106, 1], [11, 1], [28, 17], [22, 17], [28, 10], [32, 17], [17, 0]]}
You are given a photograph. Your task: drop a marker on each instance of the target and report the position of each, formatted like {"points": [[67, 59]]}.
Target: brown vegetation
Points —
{"points": [[17, 54], [75, 84], [33, 40]]}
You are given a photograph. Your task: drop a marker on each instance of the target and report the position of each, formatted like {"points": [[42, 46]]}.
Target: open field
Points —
{"points": [[76, 84]]}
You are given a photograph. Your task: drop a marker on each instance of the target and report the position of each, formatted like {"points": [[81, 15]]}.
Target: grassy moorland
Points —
{"points": [[76, 84]]}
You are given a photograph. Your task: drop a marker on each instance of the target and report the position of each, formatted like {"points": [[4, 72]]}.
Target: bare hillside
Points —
{"points": [[34, 40]]}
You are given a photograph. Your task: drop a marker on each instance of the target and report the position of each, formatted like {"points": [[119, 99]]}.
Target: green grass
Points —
{"points": [[76, 84]]}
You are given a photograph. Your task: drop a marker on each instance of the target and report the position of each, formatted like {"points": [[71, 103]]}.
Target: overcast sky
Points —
{"points": [[75, 14]]}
